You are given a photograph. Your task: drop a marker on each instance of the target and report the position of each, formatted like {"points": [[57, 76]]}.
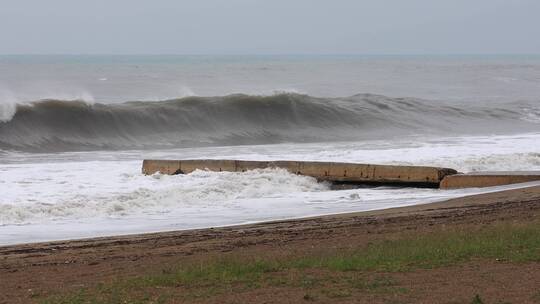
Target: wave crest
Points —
{"points": [[60, 125]]}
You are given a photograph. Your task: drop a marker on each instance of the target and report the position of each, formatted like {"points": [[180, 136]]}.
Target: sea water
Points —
{"points": [[74, 131]]}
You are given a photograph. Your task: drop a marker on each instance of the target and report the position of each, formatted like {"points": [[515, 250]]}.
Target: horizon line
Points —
{"points": [[269, 54]]}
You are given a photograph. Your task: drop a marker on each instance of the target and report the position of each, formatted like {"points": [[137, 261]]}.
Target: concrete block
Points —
{"points": [[328, 171], [488, 179]]}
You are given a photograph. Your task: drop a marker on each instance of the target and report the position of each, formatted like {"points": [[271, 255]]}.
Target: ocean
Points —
{"points": [[74, 130]]}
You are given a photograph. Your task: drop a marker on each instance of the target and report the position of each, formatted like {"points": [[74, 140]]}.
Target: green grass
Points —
{"points": [[507, 242], [536, 297], [477, 300], [503, 242]]}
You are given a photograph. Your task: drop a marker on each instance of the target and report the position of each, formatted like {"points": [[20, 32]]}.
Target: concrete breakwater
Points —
{"points": [[344, 173], [488, 179], [351, 173]]}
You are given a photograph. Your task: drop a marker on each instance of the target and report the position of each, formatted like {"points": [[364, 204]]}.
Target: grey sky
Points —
{"points": [[269, 26]]}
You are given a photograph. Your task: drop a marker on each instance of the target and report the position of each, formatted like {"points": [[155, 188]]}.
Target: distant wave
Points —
{"points": [[60, 125]]}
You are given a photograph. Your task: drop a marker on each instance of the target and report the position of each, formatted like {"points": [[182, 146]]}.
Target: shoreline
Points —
{"points": [[377, 212], [50, 267], [394, 211], [497, 189]]}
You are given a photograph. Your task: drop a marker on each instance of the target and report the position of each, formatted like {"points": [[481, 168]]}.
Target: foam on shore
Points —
{"points": [[70, 195]]}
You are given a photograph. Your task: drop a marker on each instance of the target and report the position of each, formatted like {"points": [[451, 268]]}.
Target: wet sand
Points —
{"points": [[31, 271]]}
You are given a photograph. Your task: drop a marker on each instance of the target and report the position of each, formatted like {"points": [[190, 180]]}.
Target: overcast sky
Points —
{"points": [[269, 26]]}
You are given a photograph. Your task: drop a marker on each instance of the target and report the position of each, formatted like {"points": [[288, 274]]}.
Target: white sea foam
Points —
{"points": [[286, 91], [463, 153], [8, 105], [131, 193], [45, 197], [184, 91], [7, 110], [531, 114]]}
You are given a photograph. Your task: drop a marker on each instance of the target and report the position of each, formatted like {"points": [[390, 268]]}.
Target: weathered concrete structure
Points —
{"points": [[327, 171], [488, 179]]}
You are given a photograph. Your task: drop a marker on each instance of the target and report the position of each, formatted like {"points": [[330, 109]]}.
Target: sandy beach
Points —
{"points": [[33, 272], [269, 152]]}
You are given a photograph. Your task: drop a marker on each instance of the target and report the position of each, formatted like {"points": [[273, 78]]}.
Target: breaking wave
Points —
{"points": [[199, 188], [60, 125]]}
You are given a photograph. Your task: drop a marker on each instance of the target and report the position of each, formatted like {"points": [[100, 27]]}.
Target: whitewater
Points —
{"points": [[74, 131]]}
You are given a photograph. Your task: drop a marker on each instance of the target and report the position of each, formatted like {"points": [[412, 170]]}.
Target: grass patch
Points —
{"points": [[503, 242], [536, 297], [509, 242], [477, 300]]}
